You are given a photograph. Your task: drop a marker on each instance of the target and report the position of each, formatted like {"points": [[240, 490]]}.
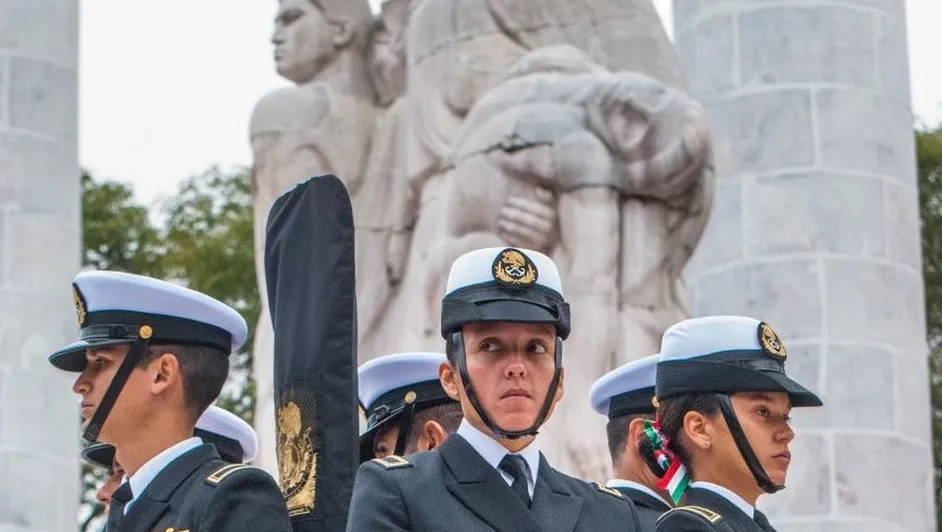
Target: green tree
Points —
{"points": [[203, 239], [208, 240], [929, 157]]}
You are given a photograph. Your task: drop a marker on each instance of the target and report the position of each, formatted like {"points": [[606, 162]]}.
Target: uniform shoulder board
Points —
{"points": [[218, 475], [392, 462], [610, 491], [709, 515]]}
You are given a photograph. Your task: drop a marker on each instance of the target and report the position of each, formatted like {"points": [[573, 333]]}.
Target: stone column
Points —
{"points": [[816, 230], [40, 241]]}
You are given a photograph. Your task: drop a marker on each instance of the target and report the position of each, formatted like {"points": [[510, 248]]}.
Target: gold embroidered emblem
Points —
{"points": [[770, 342], [512, 267], [80, 309], [610, 491], [297, 461], [707, 514]]}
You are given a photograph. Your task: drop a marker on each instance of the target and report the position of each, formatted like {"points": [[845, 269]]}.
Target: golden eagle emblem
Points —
{"points": [[770, 342], [297, 461], [513, 267], [80, 309]]}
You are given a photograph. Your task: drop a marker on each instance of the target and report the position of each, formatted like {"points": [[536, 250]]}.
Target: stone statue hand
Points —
{"points": [[528, 222]]}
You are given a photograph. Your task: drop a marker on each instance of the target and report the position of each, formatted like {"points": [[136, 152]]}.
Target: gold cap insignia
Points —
{"points": [[145, 332], [770, 342], [513, 267], [80, 308], [297, 462], [410, 397], [654, 402]]}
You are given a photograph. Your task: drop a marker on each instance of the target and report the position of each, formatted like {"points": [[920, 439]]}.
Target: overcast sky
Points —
{"points": [[166, 88]]}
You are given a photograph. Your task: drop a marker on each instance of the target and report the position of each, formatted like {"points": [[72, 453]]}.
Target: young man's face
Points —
{"points": [[511, 366], [91, 384]]}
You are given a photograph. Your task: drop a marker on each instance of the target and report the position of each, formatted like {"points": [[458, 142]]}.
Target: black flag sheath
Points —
{"points": [[310, 271]]}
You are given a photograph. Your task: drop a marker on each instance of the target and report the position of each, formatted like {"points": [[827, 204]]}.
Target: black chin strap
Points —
{"points": [[457, 340], [405, 426], [726, 406], [135, 353]]}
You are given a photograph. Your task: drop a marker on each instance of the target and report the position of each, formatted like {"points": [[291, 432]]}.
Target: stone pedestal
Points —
{"points": [[816, 230], [40, 239]]}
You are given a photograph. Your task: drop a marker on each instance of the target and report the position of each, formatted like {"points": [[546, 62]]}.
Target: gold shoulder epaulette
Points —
{"points": [[610, 491], [392, 462], [706, 513], [223, 472]]}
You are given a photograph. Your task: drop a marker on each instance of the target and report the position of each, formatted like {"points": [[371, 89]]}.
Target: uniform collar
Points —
{"points": [[493, 452], [149, 471], [736, 500], [622, 483]]}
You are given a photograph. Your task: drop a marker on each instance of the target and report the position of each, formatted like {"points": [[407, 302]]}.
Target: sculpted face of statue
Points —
{"points": [[306, 39], [388, 51]]}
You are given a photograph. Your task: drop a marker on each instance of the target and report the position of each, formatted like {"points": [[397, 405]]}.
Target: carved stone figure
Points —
{"points": [[323, 125], [558, 125]]}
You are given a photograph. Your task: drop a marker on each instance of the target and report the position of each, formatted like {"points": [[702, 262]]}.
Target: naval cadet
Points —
{"points": [[504, 319], [151, 358], [625, 396], [406, 408], [234, 440], [724, 402]]}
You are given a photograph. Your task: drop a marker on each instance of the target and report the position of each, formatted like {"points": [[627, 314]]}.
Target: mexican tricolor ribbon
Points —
{"points": [[675, 479]]}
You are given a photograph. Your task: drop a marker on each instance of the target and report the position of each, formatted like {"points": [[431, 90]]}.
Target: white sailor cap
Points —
{"points": [[234, 439], [391, 385], [626, 390], [116, 308], [726, 354], [504, 284]]}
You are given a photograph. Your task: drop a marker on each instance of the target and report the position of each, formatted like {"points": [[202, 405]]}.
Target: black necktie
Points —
{"points": [[515, 466], [763, 521], [119, 499]]}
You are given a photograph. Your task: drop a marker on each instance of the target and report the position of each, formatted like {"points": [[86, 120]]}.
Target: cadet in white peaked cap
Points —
{"points": [[504, 319], [724, 402], [393, 389], [152, 356], [625, 396]]}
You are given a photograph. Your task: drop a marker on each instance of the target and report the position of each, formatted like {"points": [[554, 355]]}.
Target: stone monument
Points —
{"points": [[559, 125], [816, 229], [40, 240]]}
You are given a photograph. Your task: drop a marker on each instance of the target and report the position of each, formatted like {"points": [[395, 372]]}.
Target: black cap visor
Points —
{"points": [[680, 377], [72, 357], [100, 455]]}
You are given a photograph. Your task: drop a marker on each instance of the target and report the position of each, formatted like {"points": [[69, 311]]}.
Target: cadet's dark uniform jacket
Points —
{"points": [[200, 492], [705, 511], [649, 507], [454, 488]]}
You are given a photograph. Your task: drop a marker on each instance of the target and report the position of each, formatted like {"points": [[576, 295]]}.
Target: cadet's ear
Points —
{"points": [[432, 435], [166, 370], [450, 380], [698, 429]]}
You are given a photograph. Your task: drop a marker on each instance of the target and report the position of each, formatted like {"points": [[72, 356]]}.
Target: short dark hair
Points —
{"points": [[671, 412], [204, 370], [451, 348], [617, 431], [447, 415]]}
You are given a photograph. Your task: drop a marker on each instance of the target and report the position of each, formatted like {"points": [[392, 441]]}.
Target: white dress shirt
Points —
{"points": [[740, 503], [493, 452], [622, 483], [146, 474]]}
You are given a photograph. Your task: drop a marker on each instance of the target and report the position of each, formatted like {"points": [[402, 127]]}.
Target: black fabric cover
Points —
{"points": [[310, 271]]}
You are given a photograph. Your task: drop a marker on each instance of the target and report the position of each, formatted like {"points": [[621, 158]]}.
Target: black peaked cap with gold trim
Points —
{"points": [[115, 308], [389, 384], [726, 354], [504, 284]]}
